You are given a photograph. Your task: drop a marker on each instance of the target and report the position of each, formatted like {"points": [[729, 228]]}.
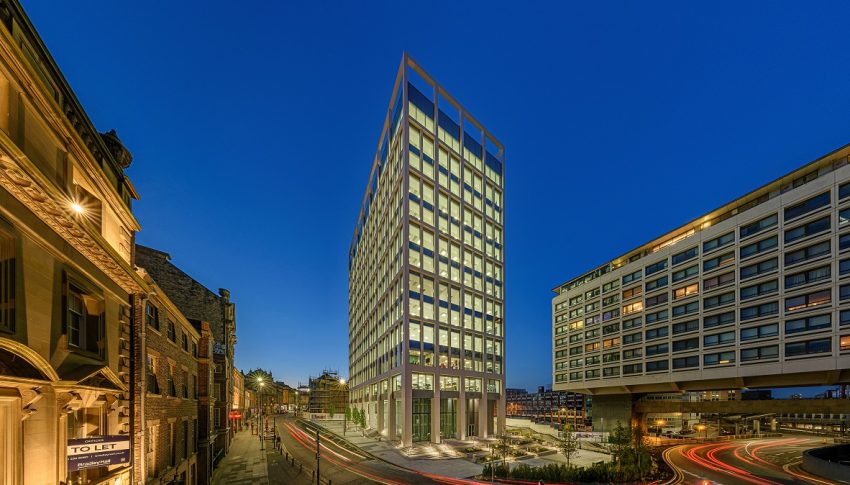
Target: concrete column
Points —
{"points": [[435, 416], [500, 413], [461, 415], [382, 426], [391, 417], [483, 415], [407, 429], [756, 426], [612, 408]]}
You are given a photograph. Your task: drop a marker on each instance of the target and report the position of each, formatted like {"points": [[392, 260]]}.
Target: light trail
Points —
{"points": [[309, 442]]}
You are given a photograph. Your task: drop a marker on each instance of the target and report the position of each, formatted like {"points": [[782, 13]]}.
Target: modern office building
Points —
{"points": [[426, 269], [752, 294]]}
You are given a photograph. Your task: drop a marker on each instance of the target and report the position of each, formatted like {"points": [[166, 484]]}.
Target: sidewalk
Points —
{"points": [[450, 467], [244, 464]]}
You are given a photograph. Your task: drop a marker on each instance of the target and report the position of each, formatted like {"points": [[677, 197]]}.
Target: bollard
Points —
{"points": [[300, 467]]}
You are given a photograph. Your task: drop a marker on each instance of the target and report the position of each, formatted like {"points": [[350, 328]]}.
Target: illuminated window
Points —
{"points": [[808, 301], [633, 307]]}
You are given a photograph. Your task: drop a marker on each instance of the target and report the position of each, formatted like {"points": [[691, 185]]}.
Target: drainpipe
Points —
{"points": [[142, 335]]}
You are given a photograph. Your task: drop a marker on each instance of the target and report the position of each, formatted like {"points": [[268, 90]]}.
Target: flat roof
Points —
{"points": [[707, 220]]}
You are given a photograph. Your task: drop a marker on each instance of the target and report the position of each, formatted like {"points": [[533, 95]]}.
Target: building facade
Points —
{"points": [[165, 391], [753, 294], [66, 275], [207, 432], [196, 302], [562, 407], [426, 272], [328, 394], [237, 406]]}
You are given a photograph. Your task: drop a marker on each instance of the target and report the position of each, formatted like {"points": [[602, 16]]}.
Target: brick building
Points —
{"points": [[547, 405], [165, 390], [206, 404], [197, 302]]}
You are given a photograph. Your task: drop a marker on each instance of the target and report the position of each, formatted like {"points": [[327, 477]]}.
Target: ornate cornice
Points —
{"points": [[70, 125], [19, 176]]}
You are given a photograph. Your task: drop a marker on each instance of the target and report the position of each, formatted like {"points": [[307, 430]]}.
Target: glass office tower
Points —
{"points": [[426, 272]]}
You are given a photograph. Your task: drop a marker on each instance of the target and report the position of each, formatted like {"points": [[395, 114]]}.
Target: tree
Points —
{"points": [[332, 410], [347, 419], [620, 440], [502, 447], [568, 445]]}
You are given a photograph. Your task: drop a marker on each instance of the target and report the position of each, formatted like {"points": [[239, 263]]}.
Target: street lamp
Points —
{"points": [[659, 423], [260, 424], [702, 427]]}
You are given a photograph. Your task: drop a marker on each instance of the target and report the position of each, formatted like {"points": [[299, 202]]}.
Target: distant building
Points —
{"points": [[237, 406], [756, 394], [554, 406], [328, 392]]}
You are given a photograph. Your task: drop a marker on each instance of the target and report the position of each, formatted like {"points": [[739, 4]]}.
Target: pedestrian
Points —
{"points": [[278, 441], [540, 482]]}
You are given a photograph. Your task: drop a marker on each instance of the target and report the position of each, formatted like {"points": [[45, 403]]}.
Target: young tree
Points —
{"points": [[568, 444], [332, 410], [620, 440], [502, 447], [347, 419]]}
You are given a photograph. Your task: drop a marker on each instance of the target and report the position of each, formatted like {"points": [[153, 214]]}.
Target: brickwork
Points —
{"points": [[165, 395], [206, 431], [197, 302]]}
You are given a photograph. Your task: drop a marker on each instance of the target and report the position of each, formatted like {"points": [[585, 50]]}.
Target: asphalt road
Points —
{"points": [[747, 462], [346, 465]]}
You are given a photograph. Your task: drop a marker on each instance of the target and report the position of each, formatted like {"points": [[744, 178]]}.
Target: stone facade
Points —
{"points": [[66, 278]]}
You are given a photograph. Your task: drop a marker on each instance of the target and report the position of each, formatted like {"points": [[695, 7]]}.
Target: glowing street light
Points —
{"points": [[77, 208]]}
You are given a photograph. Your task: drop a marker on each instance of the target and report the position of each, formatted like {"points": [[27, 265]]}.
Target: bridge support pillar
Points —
{"points": [[612, 408]]}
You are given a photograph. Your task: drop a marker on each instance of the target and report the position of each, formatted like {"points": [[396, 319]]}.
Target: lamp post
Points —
{"points": [[702, 427], [658, 424], [260, 424], [344, 411]]}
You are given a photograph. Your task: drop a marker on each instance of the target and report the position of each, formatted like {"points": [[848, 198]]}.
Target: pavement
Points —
{"points": [[244, 463], [429, 459]]}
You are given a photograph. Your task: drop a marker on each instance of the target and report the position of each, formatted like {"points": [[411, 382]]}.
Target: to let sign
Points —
{"points": [[96, 451]]}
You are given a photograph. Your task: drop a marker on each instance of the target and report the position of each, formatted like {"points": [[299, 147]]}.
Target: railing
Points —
{"points": [[665, 441]]}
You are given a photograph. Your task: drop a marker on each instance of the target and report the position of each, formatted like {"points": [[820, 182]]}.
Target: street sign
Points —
{"points": [[97, 451]]}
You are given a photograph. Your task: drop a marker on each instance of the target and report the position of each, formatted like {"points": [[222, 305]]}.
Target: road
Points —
{"points": [[747, 462], [346, 465]]}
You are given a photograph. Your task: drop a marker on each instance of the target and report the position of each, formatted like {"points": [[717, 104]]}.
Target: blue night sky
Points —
{"points": [[253, 126]]}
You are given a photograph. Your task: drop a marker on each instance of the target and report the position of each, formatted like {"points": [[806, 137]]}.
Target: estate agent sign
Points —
{"points": [[97, 451]]}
